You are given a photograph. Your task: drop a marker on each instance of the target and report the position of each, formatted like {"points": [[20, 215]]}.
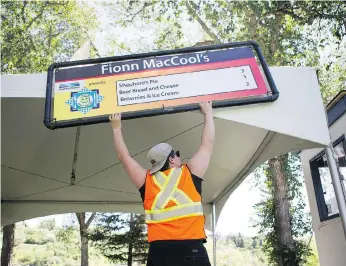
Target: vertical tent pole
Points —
{"points": [[75, 156], [336, 179], [214, 232]]}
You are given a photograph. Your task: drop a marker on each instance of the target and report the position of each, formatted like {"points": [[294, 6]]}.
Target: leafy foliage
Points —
{"points": [[48, 224], [121, 237], [229, 252], [295, 33], [237, 240], [37, 33], [33, 237], [65, 235], [41, 252]]}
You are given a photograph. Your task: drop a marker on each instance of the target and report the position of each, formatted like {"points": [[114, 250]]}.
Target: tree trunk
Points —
{"points": [[84, 248], [191, 8], [7, 244], [282, 214], [129, 257], [84, 237]]}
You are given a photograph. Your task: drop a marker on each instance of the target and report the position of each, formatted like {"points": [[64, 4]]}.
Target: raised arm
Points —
{"points": [[136, 172], [199, 162]]}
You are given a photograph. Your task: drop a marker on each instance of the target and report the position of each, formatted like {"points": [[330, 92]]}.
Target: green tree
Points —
{"points": [[84, 224], [48, 224], [269, 214], [254, 242], [235, 241], [240, 241], [37, 33], [66, 235], [7, 244], [121, 237]]}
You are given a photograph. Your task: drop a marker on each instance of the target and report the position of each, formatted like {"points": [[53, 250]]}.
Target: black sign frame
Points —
{"points": [[51, 123]]}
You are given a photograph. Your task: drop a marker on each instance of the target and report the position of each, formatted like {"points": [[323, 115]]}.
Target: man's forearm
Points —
{"points": [[135, 171], [119, 144], [208, 135]]}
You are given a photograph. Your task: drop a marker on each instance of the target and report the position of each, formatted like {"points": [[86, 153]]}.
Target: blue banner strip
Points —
{"points": [[150, 63]]}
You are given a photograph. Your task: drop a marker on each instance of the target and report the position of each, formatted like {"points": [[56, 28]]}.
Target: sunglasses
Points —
{"points": [[175, 153]]}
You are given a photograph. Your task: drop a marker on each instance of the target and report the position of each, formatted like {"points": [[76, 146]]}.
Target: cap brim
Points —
{"points": [[156, 168]]}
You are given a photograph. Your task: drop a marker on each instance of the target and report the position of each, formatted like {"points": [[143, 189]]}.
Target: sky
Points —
{"points": [[236, 214], [138, 37]]}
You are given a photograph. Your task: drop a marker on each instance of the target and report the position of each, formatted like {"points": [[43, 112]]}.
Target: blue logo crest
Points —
{"points": [[85, 100], [69, 86]]}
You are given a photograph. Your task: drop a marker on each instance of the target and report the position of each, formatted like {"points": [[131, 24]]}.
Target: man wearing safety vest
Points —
{"points": [[171, 194]]}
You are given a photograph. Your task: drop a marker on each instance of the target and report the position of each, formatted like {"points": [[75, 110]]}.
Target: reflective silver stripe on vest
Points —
{"points": [[160, 178], [182, 198], [178, 195], [175, 213], [168, 190]]}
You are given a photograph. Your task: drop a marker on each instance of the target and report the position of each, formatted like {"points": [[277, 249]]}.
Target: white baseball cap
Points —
{"points": [[158, 155]]}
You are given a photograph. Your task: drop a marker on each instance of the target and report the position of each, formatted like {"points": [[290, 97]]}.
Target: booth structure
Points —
{"points": [[326, 220], [36, 162]]}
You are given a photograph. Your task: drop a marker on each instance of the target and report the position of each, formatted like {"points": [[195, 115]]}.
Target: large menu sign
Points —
{"points": [[88, 92]]}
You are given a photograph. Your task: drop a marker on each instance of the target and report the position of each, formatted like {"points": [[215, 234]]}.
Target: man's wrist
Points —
{"points": [[208, 115], [116, 129]]}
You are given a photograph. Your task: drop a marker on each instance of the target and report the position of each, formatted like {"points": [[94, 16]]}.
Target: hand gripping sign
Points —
{"points": [[88, 91]]}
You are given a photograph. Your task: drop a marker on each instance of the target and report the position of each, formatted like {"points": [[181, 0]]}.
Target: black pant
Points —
{"points": [[178, 253]]}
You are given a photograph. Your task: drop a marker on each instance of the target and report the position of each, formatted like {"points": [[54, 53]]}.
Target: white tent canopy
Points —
{"points": [[37, 162]]}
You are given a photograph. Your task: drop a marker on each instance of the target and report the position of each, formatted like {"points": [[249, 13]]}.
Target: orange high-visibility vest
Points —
{"points": [[173, 207]]}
